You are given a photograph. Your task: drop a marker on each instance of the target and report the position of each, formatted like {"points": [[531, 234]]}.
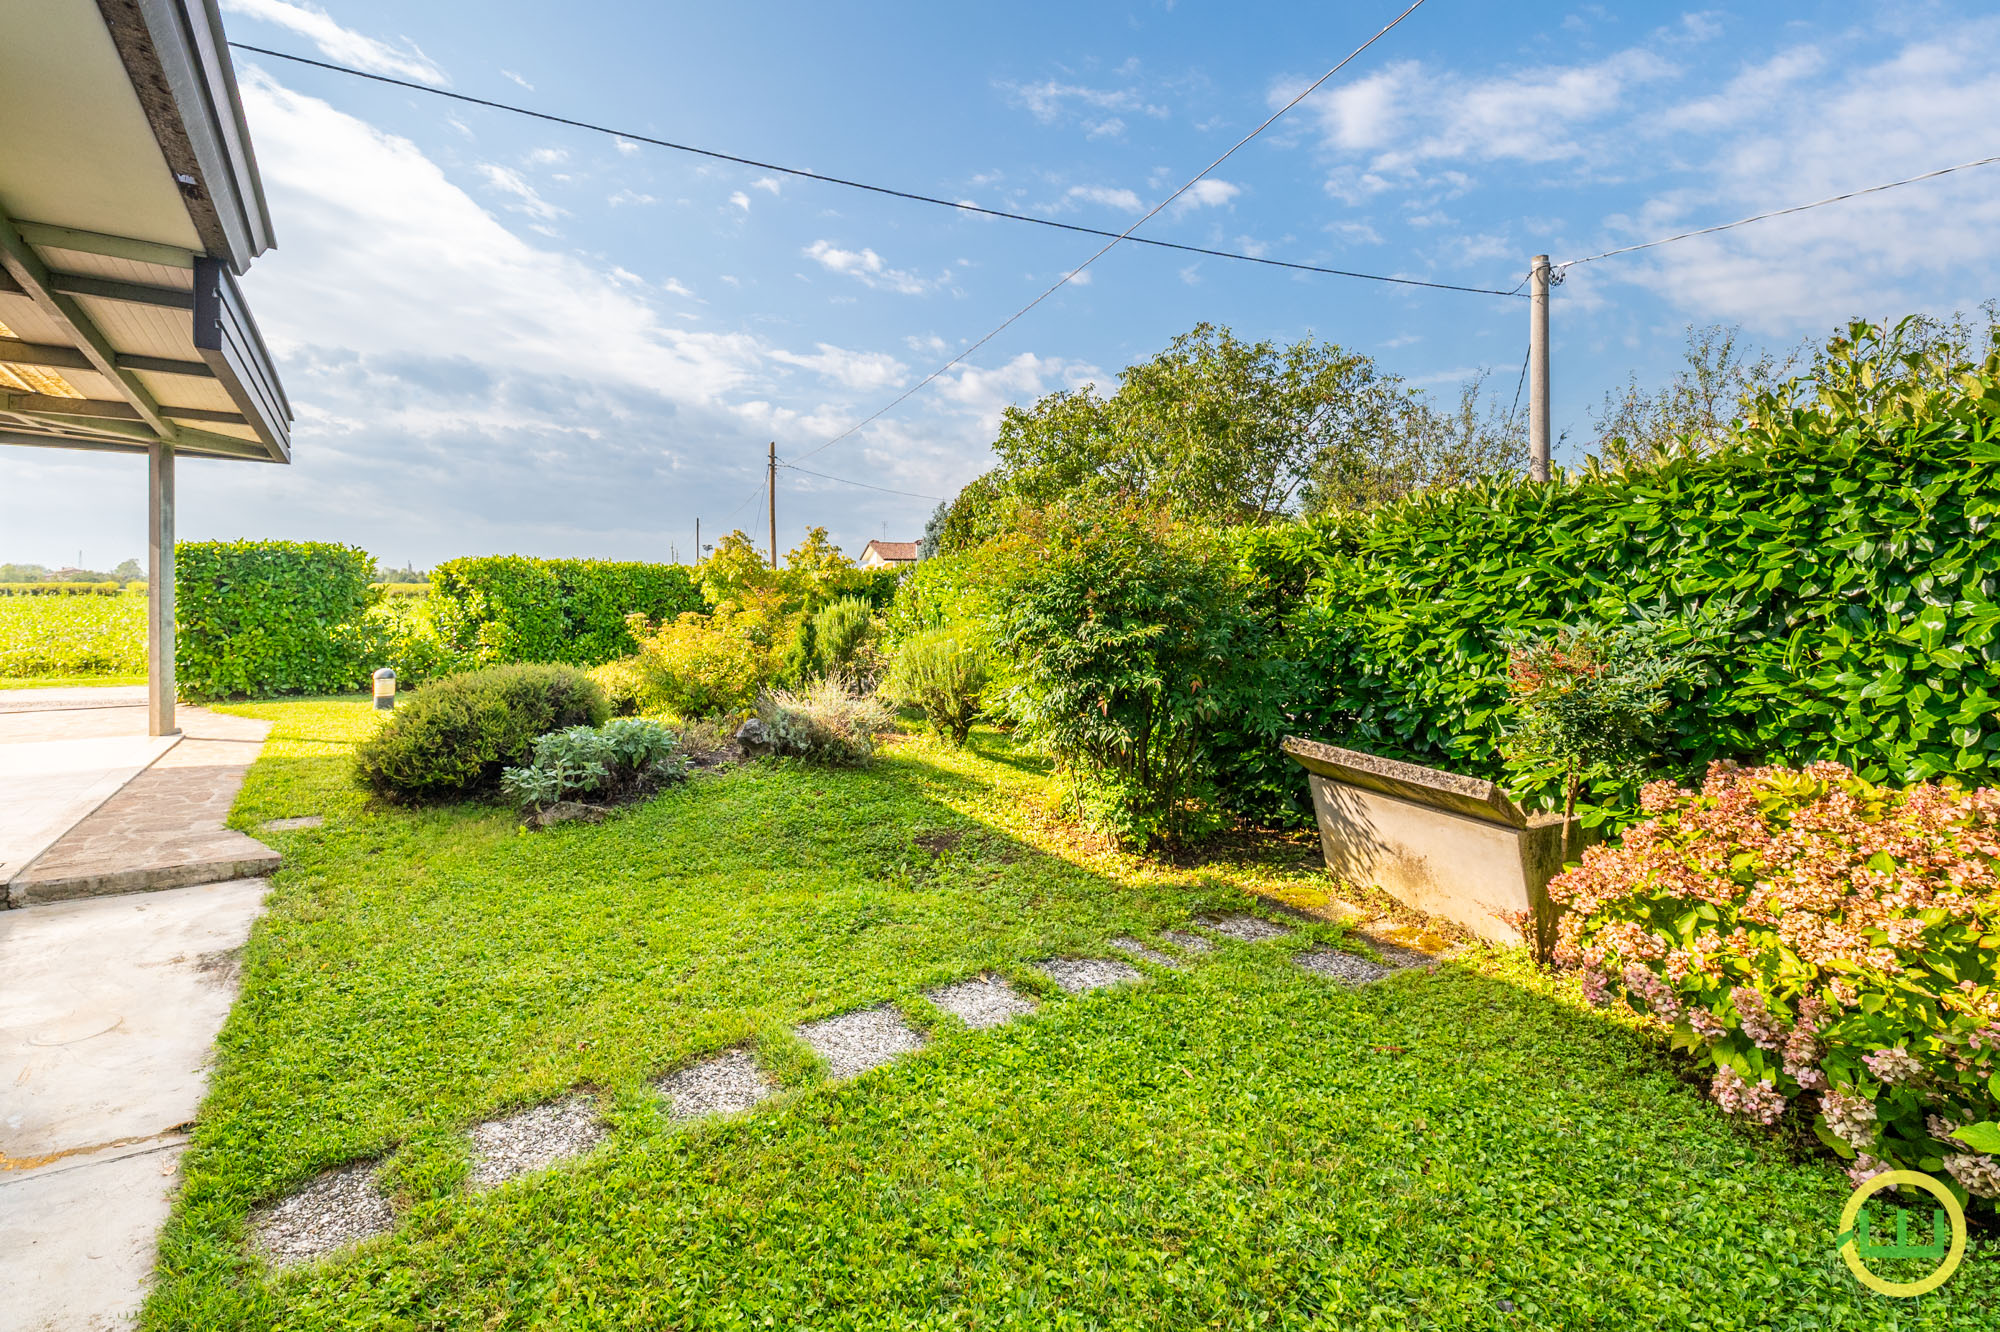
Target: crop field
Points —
{"points": [[68, 637]]}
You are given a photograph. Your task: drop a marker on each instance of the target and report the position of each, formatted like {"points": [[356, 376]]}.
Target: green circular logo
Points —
{"points": [[1857, 1245]]}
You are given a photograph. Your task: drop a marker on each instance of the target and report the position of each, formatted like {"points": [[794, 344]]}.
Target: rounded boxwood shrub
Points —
{"points": [[455, 736]]}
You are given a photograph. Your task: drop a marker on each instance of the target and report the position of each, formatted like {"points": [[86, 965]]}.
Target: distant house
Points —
{"points": [[888, 554]]}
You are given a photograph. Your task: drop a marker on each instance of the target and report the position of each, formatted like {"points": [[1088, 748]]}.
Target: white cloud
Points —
{"points": [[861, 371], [511, 75], [1124, 200], [1080, 277], [344, 45], [740, 199], [509, 181], [631, 198], [1927, 246], [678, 288], [627, 147], [769, 184], [868, 267], [547, 156], [1050, 101], [1208, 192], [987, 393]]}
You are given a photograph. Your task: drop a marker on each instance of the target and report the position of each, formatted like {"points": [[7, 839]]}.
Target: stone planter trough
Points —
{"points": [[1445, 844]]}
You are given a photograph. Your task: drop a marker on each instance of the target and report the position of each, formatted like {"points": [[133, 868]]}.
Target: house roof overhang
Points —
{"points": [[129, 204]]}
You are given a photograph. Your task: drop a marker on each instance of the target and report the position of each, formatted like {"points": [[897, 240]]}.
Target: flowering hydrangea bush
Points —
{"points": [[1822, 940]]}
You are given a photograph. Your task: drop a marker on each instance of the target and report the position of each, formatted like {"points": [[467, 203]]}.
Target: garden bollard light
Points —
{"points": [[385, 688]]}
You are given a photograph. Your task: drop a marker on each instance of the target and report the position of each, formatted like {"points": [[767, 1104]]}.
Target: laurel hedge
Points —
{"points": [[259, 618], [506, 608], [1836, 577]]}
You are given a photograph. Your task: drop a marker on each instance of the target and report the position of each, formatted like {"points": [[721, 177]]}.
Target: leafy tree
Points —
{"points": [[23, 573], [129, 571], [814, 562], [734, 570]]}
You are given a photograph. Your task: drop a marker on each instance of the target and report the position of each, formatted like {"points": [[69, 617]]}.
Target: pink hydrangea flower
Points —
{"points": [[1760, 1102]]}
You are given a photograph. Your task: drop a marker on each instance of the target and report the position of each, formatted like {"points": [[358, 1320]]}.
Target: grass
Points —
{"points": [[72, 640], [1242, 1144]]}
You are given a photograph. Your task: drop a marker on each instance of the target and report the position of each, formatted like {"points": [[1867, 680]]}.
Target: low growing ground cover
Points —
{"points": [[1239, 1143]]}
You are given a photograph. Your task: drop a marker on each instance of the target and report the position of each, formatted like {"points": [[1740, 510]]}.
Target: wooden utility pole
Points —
{"points": [[772, 482], [697, 540], [1538, 369]]}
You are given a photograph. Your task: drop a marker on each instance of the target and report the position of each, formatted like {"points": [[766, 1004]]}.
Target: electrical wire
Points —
{"points": [[1105, 249], [794, 467], [955, 205], [1779, 212]]}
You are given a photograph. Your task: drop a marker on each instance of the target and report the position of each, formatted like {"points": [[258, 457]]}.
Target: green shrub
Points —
{"points": [[107, 589], [1841, 558], [270, 617], [1124, 634], [400, 633], [702, 666], [624, 684], [826, 722], [843, 638], [620, 760], [945, 672], [502, 608], [1815, 937], [455, 736]]}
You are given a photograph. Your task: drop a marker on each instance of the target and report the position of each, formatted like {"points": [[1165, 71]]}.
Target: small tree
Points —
{"points": [[1589, 703]]}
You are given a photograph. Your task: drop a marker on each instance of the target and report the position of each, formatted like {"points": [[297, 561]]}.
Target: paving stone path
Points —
{"points": [[345, 1206]]}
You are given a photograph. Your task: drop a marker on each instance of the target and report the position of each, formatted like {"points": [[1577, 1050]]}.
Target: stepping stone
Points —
{"points": [[1248, 929], [1188, 943], [983, 1001], [1139, 950], [1078, 975], [858, 1041], [1338, 964], [536, 1137], [294, 824], [726, 1085], [340, 1208]]}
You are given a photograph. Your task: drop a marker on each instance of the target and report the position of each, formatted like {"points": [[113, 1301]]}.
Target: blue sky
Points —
{"points": [[502, 335]]}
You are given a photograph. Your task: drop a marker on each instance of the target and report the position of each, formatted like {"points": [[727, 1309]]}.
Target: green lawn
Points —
{"points": [[1240, 1145]]}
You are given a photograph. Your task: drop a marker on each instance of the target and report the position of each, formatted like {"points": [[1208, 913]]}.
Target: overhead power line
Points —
{"points": [[794, 467], [1779, 212], [1106, 248], [956, 205]]}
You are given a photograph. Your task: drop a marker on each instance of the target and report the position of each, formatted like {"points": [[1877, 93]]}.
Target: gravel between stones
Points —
{"points": [[538, 1136], [1340, 965], [1153, 955], [1191, 943], [340, 1208], [1081, 974], [1249, 929], [983, 1001], [725, 1085], [858, 1041]]}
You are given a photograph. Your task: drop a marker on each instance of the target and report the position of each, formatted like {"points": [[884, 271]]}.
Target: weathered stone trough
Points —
{"points": [[1445, 844]]}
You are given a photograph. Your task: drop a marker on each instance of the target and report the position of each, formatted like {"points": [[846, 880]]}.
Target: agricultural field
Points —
{"points": [[45, 640]]}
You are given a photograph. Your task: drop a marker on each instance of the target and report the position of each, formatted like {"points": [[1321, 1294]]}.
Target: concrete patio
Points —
{"points": [[118, 960]]}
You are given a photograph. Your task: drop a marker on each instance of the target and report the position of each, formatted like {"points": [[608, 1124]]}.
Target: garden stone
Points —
{"points": [[1246, 929], [1139, 950], [1338, 964], [983, 1001], [726, 1085], [754, 738], [536, 1137], [1188, 943], [297, 824], [566, 811], [856, 1042], [339, 1208], [1079, 975]]}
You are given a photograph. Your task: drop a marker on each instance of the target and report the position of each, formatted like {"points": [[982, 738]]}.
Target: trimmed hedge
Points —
{"points": [[456, 736], [270, 617], [501, 608], [1848, 588]]}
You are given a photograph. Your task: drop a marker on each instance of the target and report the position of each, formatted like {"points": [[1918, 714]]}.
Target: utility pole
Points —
{"points": [[697, 539], [1538, 368], [772, 484]]}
